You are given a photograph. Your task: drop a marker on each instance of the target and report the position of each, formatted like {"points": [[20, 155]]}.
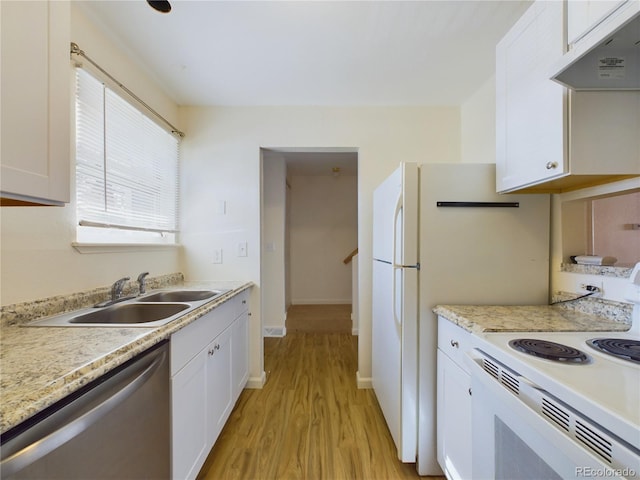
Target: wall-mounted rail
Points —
{"points": [[479, 204]]}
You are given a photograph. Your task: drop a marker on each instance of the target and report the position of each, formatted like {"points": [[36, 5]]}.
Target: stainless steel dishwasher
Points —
{"points": [[116, 427]]}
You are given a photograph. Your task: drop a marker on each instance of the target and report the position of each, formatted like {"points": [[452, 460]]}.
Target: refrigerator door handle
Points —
{"points": [[396, 214], [395, 266]]}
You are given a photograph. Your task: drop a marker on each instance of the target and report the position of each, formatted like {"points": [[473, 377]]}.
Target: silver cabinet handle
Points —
{"points": [[551, 165]]}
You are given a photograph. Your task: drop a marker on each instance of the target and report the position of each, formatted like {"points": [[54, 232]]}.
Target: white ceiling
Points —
{"points": [[339, 53]]}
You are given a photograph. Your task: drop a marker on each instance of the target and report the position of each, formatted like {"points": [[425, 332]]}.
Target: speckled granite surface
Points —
{"points": [[610, 310], [534, 318], [39, 366], [606, 271], [19, 313]]}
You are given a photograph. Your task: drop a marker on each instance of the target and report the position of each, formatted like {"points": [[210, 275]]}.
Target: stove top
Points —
{"points": [[625, 348], [549, 350], [604, 388]]}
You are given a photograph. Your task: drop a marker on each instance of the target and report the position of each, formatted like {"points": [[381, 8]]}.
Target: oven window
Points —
{"points": [[515, 460]]}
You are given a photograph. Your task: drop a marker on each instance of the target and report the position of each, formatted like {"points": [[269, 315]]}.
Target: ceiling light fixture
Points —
{"points": [[160, 5], [336, 171]]}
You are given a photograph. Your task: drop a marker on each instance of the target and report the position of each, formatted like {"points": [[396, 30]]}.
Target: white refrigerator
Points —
{"points": [[442, 235]]}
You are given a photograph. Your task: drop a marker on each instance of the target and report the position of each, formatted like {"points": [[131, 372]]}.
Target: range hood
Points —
{"points": [[607, 59]]}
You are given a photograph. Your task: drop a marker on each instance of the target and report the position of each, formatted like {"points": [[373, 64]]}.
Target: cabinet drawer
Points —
{"points": [[453, 341], [186, 343], [241, 303]]}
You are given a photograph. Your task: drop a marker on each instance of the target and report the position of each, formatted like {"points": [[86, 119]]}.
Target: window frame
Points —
{"points": [[91, 235]]}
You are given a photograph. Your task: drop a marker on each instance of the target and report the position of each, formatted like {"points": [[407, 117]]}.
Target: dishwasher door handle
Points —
{"points": [[38, 449]]}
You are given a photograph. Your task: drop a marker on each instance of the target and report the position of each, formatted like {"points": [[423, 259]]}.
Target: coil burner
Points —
{"points": [[624, 348], [549, 350]]}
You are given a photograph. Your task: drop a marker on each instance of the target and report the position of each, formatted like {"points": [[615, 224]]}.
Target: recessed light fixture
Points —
{"points": [[160, 5], [336, 171]]}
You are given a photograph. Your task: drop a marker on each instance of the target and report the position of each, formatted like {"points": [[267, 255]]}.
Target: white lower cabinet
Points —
{"points": [[209, 369], [220, 392], [188, 408], [453, 402], [240, 353]]}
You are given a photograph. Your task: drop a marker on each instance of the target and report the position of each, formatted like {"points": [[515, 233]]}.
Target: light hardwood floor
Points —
{"points": [[319, 319], [310, 421]]}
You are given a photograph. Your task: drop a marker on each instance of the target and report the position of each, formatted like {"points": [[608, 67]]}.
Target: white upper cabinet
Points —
{"points": [[584, 15], [35, 105], [530, 108], [547, 138]]}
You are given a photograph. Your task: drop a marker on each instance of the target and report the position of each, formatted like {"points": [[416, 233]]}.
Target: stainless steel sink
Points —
{"points": [[152, 310], [132, 313], [181, 296], [122, 315]]}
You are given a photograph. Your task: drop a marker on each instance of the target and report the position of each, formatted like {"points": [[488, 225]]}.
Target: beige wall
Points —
{"points": [[37, 257], [221, 160], [478, 125], [324, 230]]}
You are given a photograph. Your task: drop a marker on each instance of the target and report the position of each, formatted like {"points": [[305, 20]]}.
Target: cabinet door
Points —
{"points": [[219, 384], [453, 419], [240, 353], [530, 108], [190, 442], [35, 106], [584, 15]]}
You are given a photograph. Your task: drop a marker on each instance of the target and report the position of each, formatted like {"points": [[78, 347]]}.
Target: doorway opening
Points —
{"points": [[309, 239]]}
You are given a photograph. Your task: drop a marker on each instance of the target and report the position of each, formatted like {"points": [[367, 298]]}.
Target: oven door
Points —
{"points": [[513, 440]]}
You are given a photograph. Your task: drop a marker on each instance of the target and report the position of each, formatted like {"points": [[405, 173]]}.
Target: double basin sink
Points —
{"points": [[152, 310]]}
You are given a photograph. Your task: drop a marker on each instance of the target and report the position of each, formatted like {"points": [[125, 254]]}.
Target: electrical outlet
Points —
{"points": [[591, 287], [217, 255]]}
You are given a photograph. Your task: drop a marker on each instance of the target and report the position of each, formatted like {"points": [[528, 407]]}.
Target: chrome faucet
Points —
{"points": [[141, 282], [117, 287]]}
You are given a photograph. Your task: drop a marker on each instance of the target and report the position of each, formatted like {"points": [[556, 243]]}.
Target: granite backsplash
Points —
{"points": [[19, 313]]}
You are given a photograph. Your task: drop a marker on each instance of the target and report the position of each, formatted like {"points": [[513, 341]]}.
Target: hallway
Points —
{"points": [[309, 421]]}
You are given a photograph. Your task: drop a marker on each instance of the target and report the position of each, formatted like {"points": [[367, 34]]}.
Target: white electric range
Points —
{"points": [[573, 417]]}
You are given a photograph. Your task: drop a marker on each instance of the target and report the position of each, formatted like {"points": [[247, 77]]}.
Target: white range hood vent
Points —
{"points": [[609, 63]]}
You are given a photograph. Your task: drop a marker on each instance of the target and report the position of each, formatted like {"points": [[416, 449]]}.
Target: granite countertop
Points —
{"points": [[41, 365], [532, 318]]}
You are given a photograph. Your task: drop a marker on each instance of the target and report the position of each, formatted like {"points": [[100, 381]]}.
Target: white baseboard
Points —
{"points": [[363, 382], [256, 382], [274, 331]]}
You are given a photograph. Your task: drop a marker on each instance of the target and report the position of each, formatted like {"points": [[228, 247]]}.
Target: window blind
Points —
{"points": [[126, 164]]}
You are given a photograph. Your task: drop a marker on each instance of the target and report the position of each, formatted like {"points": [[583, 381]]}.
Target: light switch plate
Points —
{"points": [[217, 255], [242, 249]]}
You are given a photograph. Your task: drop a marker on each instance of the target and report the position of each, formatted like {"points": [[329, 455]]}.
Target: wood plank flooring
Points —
{"points": [[319, 319], [310, 421]]}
